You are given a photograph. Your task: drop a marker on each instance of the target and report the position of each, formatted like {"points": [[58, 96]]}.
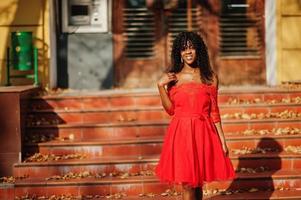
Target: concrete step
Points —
{"points": [[105, 186], [119, 130], [121, 98], [147, 113], [134, 164], [149, 146], [259, 195], [41, 139], [145, 184]]}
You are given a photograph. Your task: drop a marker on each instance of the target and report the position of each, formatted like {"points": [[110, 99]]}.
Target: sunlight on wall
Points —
{"points": [[288, 40], [25, 15]]}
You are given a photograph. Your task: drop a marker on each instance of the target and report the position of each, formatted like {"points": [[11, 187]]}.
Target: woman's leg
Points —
{"points": [[199, 193], [188, 193]]}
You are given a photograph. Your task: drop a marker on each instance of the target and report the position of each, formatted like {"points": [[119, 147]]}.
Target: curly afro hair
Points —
{"points": [[202, 57]]}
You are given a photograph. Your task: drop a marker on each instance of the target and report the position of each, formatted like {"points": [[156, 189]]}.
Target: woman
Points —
{"points": [[194, 149]]}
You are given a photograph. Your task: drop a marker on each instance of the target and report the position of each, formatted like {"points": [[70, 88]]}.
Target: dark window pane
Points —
{"points": [[79, 10], [239, 34]]}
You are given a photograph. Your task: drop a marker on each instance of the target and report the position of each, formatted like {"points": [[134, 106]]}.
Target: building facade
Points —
{"points": [[103, 44]]}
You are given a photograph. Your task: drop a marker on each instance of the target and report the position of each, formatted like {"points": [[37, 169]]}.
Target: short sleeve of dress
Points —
{"points": [[171, 110], [214, 112]]}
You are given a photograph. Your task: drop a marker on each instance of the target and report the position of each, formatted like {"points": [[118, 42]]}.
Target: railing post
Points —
{"points": [[35, 63], [7, 67]]}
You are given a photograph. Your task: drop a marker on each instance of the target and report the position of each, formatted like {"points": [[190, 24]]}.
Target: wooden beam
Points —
{"points": [[189, 15]]}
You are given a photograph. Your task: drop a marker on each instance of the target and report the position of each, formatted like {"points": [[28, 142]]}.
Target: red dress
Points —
{"points": [[192, 152]]}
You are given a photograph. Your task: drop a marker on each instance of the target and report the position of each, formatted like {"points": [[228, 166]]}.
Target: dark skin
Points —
{"points": [[189, 73]]}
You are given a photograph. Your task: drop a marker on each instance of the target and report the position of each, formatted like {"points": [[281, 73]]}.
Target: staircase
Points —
{"points": [[105, 145]]}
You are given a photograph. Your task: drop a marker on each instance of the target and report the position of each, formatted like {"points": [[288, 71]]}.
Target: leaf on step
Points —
{"points": [[150, 194], [124, 176], [245, 116], [257, 100], [247, 150], [253, 190], [164, 194], [293, 149], [71, 136], [38, 157], [120, 118]]}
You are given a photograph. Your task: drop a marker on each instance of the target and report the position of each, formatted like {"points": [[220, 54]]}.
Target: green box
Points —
{"points": [[22, 50]]}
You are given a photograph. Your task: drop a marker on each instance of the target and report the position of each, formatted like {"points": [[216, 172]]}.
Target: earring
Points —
{"points": [[181, 60]]}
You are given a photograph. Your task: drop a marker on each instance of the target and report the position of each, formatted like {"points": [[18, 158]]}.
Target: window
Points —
{"points": [[139, 30], [239, 29], [178, 21]]}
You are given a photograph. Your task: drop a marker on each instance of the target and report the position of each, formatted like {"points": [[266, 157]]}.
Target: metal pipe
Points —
{"points": [[35, 56]]}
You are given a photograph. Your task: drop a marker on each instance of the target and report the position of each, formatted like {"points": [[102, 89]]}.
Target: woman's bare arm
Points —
{"points": [[220, 131], [166, 78], [218, 124], [166, 103]]}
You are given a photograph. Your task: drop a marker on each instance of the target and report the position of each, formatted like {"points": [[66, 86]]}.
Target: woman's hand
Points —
{"points": [[225, 149], [166, 78]]}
